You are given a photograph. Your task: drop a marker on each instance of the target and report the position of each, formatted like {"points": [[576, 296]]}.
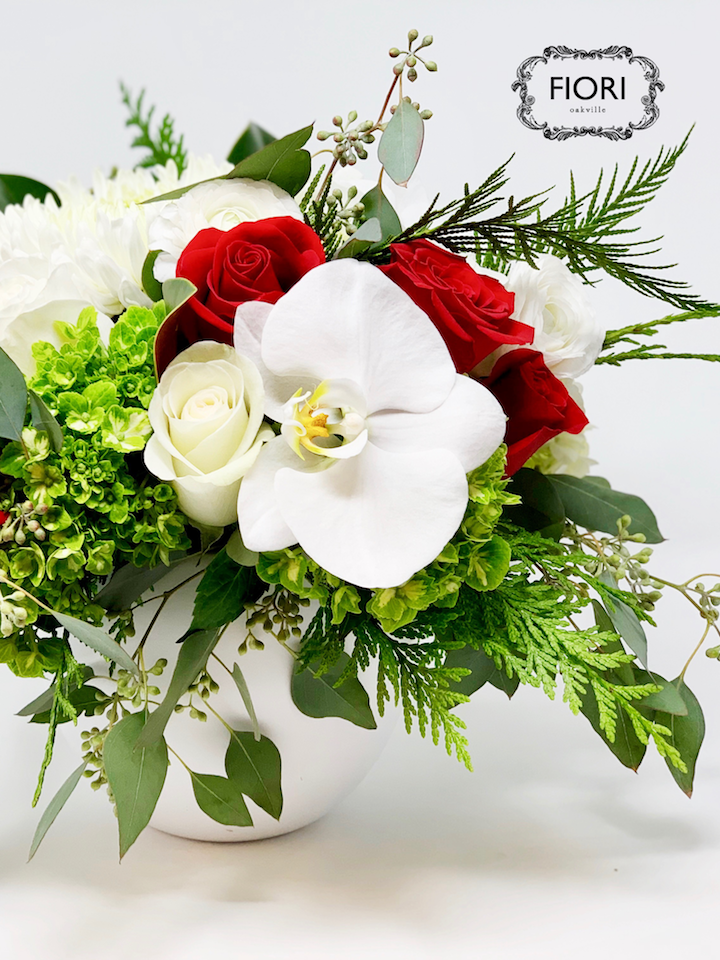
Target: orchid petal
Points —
{"points": [[262, 526], [470, 424], [345, 320], [373, 520], [250, 319]]}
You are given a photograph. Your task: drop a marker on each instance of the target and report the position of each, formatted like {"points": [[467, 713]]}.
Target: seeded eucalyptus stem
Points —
{"points": [[706, 608], [696, 650], [397, 78]]}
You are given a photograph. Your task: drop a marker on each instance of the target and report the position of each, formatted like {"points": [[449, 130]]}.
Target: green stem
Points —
{"points": [[178, 757], [695, 651], [647, 329], [216, 714]]}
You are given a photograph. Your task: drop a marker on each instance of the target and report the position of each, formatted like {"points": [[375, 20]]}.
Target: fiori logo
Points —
{"points": [[607, 86], [565, 82]]}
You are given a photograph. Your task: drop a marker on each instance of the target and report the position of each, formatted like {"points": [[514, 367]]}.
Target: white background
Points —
{"points": [[550, 849]]}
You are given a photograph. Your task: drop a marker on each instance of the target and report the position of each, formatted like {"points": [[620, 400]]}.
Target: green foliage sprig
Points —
{"points": [[585, 230], [163, 145], [652, 350]]}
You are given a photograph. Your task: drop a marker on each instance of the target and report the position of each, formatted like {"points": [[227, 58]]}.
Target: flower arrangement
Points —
{"points": [[274, 372]]}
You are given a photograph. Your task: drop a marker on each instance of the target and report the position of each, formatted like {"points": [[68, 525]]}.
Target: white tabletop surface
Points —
{"points": [[549, 849]]}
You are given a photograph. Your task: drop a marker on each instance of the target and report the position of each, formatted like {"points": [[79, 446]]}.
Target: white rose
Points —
{"points": [[207, 418], [222, 204], [552, 301]]}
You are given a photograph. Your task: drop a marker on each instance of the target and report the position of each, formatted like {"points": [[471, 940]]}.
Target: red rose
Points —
{"points": [[260, 260], [472, 312], [537, 404], [4, 517]]}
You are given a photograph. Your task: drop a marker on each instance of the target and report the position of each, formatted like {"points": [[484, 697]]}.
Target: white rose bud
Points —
{"points": [[207, 418]]}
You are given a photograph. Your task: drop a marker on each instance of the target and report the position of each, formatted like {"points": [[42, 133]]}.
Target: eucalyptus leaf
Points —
{"points": [[316, 695], [598, 481], [624, 673], [14, 189], [501, 681], [238, 552], [686, 735], [180, 191], [668, 699], [282, 162], [254, 768], [54, 807], [129, 583], [13, 399], [97, 639], [626, 746], [226, 587], [221, 800], [84, 699], [597, 507], [242, 686], [251, 140], [135, 776], [176, 292], [625, 621], [401, 143], [377, 206], [480, 665], [192, 659], [151, 286], [42, 419], [45, 701], [541, 510], [367, 236]]}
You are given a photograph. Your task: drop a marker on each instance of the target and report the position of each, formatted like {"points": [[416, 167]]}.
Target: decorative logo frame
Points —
{"points": [[527, 101]]}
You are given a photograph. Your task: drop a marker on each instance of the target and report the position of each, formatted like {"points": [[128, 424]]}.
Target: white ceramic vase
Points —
{"points": [[322, 759]]}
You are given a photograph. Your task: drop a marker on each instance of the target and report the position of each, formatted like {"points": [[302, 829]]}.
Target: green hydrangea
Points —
{"points": [[78, 514], [475, 556]]}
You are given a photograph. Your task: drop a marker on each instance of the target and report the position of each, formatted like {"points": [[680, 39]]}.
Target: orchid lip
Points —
{"points": [[326, 431]]}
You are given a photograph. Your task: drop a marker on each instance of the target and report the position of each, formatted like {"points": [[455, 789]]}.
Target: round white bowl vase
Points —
{"points": [[322, 759]]}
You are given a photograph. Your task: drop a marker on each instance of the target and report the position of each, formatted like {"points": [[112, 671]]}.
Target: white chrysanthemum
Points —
{"points": [[223, 205], [30, 230], [89, 251], [110, 259]]}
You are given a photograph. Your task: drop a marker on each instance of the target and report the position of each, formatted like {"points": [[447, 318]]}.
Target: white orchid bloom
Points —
{"points": [[378, 431]]}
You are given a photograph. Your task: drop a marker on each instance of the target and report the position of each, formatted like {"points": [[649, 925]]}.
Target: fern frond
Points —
{"points": [[162, 145]]}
